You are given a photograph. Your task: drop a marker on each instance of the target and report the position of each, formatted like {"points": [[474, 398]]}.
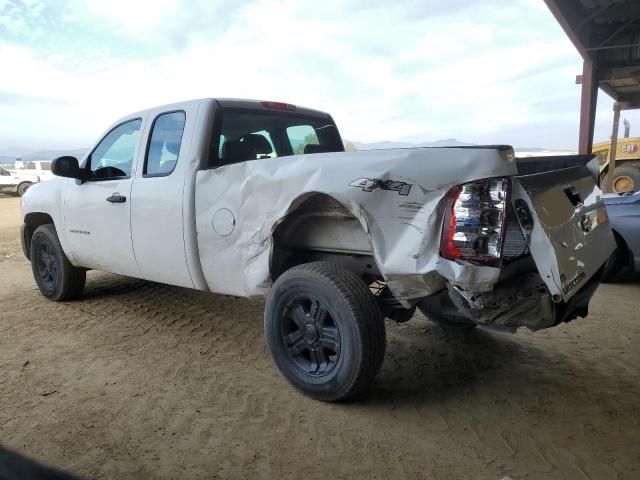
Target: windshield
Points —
{"points": [[243, 134]]}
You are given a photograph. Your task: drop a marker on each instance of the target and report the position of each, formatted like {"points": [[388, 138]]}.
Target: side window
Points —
{"points": [[300, 136], [4, 172], [113, 157], [164, 144]]}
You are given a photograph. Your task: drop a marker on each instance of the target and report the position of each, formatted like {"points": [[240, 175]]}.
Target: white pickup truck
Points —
{"points": [[254, 198], [14, 182]]}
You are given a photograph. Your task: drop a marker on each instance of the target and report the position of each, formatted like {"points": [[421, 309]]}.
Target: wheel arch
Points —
{"points": [[628, 254], [318, 227], [32, 221]]}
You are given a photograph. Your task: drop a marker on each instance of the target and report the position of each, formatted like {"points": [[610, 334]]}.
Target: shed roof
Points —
{"points": [[606, 32]]}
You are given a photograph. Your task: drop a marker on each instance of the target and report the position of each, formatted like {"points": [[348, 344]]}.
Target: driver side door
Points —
{"points": [[97, 213]]}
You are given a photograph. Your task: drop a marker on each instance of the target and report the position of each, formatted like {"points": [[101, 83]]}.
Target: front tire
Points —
{"points": [[56, 278], [23, 187], [325, 331]]}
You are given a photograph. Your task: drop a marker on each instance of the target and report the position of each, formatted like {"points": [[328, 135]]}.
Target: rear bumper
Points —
{"points": [[522, 301]]}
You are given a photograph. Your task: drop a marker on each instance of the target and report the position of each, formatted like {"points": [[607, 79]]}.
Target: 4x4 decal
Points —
{"points": [[371, 184]]}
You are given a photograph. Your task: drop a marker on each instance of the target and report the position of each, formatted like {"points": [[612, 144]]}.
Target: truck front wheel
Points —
{"points": [[56, 278], [23, 187], [325, 331]]}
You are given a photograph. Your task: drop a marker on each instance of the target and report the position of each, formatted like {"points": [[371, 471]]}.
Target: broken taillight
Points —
{"points": [[475, 221]]}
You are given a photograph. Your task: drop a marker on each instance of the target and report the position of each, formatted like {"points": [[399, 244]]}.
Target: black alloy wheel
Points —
{"points": [[325, 331], [310, 335], [55, 276], [47, 266]]}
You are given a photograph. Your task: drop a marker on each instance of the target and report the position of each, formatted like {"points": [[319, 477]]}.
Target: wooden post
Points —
{"points": [[614, 147], [588, 101]]}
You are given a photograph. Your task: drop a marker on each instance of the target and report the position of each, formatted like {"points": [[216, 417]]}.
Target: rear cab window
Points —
{"points": [[243, 134]]}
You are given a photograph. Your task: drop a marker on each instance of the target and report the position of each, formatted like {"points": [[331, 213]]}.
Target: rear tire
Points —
{"points": [[56, 278], [325, 331]]}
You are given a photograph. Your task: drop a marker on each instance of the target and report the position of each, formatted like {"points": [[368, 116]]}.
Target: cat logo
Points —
{"points": [[629, 148]]}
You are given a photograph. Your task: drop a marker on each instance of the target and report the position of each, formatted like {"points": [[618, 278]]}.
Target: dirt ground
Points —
{"points": [[141, 380]]}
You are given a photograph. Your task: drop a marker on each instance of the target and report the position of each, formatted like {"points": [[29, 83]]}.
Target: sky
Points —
{"points": [[496, 71]]}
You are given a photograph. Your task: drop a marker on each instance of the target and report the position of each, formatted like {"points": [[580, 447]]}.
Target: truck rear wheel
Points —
{"points": [[56, 278], [325, 331]]}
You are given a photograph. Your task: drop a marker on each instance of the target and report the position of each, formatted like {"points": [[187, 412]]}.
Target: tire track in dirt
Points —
{"points": [[161, 382]]}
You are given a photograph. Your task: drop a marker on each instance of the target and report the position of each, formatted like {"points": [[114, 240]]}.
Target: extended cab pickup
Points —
{"points": [[256, 198]]}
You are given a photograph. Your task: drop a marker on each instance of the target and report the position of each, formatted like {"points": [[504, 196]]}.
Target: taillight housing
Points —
{"points": [[475, 221]]}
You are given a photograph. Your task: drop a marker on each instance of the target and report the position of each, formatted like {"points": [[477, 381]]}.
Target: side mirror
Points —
{"points": [[68, 167]]}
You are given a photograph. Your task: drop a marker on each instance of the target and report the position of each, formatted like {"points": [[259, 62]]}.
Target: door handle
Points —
{"points": [[115, 198]]}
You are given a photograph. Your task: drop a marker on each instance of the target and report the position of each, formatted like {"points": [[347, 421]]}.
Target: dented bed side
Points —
{"points": [[401, 218], [396, 197]]}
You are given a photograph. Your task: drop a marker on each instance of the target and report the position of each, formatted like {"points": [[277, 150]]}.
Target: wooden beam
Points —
{"points": [[570, 14], [614, 146], [588, 101], [630, 105]]}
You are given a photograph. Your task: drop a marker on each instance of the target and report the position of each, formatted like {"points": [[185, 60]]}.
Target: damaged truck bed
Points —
{"points": [[259, 198]]}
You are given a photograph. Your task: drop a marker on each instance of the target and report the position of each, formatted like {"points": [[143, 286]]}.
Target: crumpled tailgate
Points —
{"points": [[563, 216]]}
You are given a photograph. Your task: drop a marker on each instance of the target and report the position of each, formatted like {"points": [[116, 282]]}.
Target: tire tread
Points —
{"points": [[73, 278], [366, 313]]}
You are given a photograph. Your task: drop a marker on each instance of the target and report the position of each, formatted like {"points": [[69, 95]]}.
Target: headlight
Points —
{"points": [[474, 222]]}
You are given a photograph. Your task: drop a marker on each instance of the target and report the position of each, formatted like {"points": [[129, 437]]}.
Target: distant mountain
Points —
{"points": [[28, 155], [11, 152], [51, 154], [450, 142], [529, 149]]}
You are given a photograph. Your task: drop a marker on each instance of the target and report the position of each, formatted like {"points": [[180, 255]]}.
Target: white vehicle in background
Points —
{"points": [[15, 182], [38, 169]]}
